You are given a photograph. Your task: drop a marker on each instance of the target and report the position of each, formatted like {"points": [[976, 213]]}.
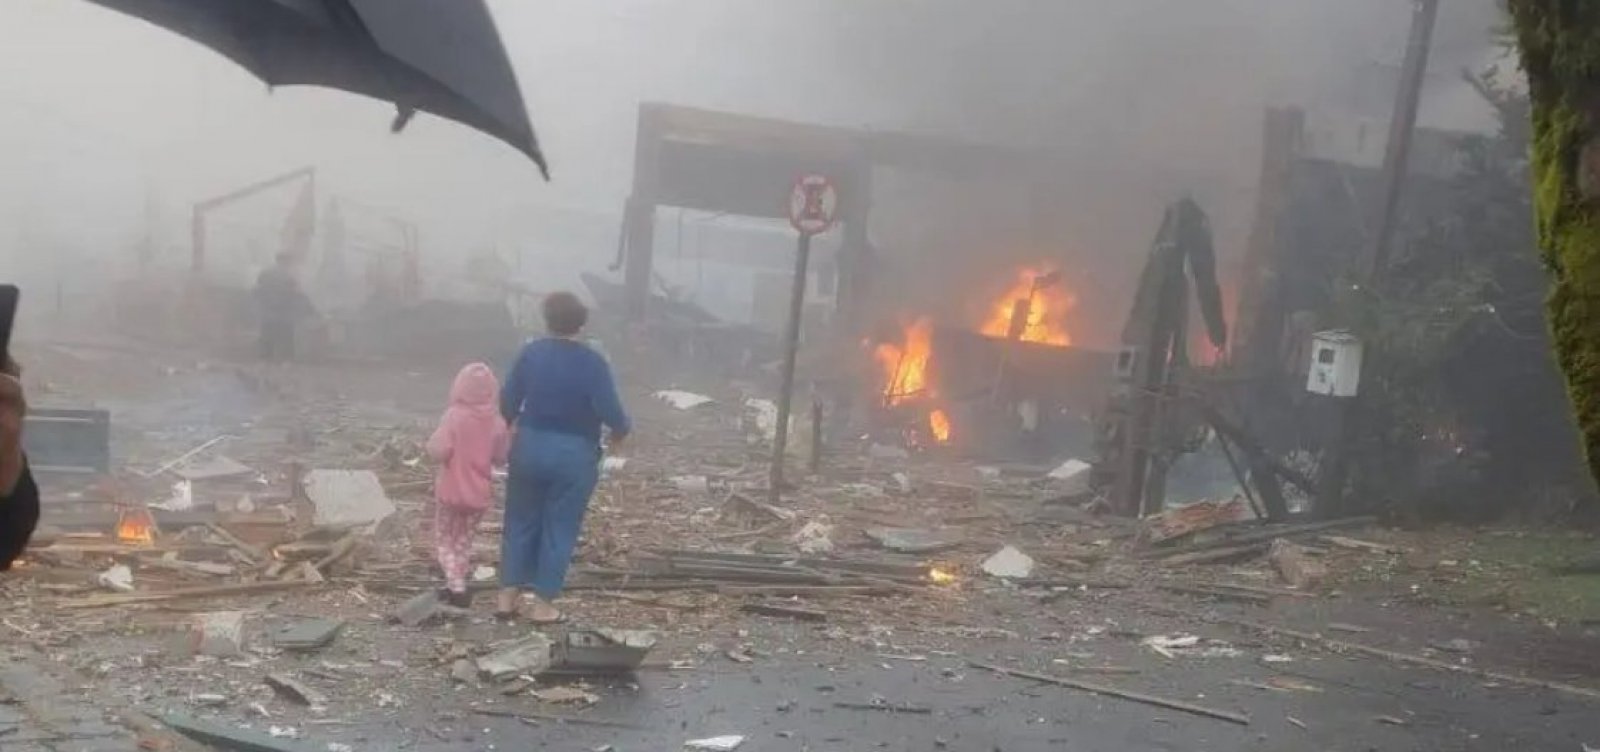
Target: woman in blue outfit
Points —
{"points": [[559, 394]]}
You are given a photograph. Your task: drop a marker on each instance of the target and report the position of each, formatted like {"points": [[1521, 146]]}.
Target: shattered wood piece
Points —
{"points": [[302, 550], [308, 572], [309, 634], [1090, 583], [230, 738], [1214, 555], [1348, 628], [1415, 660], [1192, 518], [295, 690], [784, 612], [810, 591], [219, 634], [206, 568], [1270, 592], [341, 551], [1263, 535], [124, 599], [565, 696], [743, 510], [913, 541], [884, 707], [1100, 689], [530, 715], [185, 457], [1295, 565], [886, 570], [1098, 670], [528, 656], [1204, 591], [1356, 544], [418, 610], [1009, 563], [255, 555]]}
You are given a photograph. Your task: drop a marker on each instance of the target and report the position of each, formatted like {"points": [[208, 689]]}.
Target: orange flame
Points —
{"points": [[905, 367], [939, 425], [1047, 306], [136, 525]]}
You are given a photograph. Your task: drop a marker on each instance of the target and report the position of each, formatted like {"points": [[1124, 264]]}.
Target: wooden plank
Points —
{"points": [[784, 612], [1208, 556], [1101, 689], [1263, 535], [255, 555], [124, 599]]}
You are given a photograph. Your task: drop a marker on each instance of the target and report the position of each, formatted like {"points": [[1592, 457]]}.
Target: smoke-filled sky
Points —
{"points": [[105, 121]]}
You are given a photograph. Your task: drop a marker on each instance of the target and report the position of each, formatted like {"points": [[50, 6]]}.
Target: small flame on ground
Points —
{"points": [[939, 425], [136, 526], [941, 576], [1047, 306]]}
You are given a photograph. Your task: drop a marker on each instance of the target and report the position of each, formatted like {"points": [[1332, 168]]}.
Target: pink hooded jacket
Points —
{"points": [[470, 441]]}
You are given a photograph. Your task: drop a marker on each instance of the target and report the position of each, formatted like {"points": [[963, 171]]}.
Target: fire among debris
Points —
{"points": [[905, 374], [939, 425], [1034, 309], [136, 525], [905, 366]]}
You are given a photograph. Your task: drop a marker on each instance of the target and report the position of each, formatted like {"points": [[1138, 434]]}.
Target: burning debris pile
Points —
{"points": [[947, 384]]}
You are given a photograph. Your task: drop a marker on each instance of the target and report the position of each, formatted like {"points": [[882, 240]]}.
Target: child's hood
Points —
{"points": [[475, 387]]}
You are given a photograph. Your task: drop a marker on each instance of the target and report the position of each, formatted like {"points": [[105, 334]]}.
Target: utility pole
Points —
{"points": [[1402, 126]]}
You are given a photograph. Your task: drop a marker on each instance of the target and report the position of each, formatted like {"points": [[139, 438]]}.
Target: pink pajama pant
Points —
{"points": [[453, 529]]}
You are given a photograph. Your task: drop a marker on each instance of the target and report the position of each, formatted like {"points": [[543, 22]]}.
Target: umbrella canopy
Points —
{"points": [[439, 56]]}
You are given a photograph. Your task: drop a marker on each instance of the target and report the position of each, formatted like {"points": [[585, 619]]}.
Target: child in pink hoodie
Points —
{"points": [[470, 441]]}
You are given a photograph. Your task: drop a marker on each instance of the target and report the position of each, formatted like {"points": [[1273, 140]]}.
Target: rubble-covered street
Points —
{"points": [[891, 601]]}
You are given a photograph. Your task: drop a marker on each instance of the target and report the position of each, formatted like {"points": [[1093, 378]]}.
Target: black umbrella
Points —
{"points": [[438, 56]]}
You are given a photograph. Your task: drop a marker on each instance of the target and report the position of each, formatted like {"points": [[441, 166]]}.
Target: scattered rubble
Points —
{"points": [[715, 744], [913, 541], [1295, 565], [296, 691], [307, 634], [683, 400], [529, 656], [118, 578], [219, 634], [1009, 563]]}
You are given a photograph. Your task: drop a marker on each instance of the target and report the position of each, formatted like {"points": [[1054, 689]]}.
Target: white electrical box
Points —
{"points": [[1335, 364]]}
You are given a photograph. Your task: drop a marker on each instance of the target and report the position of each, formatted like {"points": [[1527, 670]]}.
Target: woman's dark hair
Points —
{"points": [[564, 314]]}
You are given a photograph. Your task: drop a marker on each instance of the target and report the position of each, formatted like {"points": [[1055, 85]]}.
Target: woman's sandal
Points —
{"points": [[559, 618]]}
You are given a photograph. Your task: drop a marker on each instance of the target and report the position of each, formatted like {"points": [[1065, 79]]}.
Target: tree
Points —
{"points": [[1456, 326], [1559, 41]]}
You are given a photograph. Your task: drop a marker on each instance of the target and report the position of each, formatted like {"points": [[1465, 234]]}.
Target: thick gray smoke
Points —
{"points": [[111, 129]]}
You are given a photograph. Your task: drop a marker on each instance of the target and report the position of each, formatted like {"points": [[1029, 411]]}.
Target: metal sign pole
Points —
{"points": [[791, 345]]}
